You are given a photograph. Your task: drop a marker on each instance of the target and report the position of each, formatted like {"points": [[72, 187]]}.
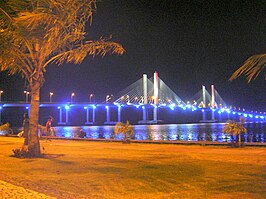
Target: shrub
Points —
{"points": [[126, 129]]}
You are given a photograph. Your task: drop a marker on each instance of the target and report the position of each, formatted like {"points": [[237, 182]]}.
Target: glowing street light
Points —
{"points": [[72, 97], [51, 94], [27, 93], [91, 95], [1, 95], [108, 97]]}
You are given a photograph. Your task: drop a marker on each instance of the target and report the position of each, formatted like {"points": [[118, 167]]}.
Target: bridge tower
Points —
{"points": [[204, 102], [213, 104], [156, 96], [145, 97]]}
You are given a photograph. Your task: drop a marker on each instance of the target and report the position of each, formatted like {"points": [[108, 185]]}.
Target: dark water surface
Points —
{"points": [[256, 132]]}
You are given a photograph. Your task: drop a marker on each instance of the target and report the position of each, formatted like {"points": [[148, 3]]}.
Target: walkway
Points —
{"points": [[10, 191]]}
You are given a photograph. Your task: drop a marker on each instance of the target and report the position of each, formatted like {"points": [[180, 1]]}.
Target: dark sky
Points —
{"points": [[189, 43]]}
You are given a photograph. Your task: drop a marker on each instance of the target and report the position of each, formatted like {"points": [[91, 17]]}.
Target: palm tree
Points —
{"points": [[35, 33], [252, 67], [235, 128], [126, 129]]}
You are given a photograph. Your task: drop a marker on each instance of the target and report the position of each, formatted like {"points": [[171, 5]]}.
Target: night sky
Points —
{"points": [[189, 43]]}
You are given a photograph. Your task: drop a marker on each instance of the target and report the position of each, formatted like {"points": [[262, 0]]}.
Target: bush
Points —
{"points": [[19, 153]]}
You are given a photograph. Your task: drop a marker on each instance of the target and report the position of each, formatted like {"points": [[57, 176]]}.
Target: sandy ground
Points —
{"points": [[10, 191]]}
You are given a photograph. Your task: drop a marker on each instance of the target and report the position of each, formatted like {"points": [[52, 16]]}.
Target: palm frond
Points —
{"points": [[252, 67], [97, 48]]}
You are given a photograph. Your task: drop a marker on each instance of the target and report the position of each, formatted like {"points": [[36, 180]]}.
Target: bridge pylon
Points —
{"points": [[156, 96]]}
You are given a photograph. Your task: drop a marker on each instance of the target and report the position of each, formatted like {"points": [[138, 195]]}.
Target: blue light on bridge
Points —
{"points": [[245, 115], [261, 117], [0, 107], [256, 117], [188, 106], [143, 107], [118, 105], [67, 107], [172, 106], [94, 107], [250, 115], [219, 112], [58, 107], [107, 107], [85, 107], [27, 107], [234, 113]]}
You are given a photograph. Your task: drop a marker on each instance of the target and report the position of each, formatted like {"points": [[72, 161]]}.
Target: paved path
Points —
{"points": [[10, 191]]}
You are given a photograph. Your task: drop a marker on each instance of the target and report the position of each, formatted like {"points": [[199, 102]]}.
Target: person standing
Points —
{"points": [[48, 126]]}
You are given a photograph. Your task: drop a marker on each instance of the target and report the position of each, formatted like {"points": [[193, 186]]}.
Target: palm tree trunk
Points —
{"points": [[34, 144]]}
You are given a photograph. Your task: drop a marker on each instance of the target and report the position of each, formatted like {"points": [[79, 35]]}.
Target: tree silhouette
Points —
{"points": [[35, 33], [252, 67]]}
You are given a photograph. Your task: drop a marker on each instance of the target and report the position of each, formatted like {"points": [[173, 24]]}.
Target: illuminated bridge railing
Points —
{"points": [[65, 107]]}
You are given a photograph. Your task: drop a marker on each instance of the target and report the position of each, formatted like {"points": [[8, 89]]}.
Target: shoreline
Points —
{"points": [[174, 142]]}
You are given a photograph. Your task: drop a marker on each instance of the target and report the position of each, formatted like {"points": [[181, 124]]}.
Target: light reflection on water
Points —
{"points": [[184, 132]]}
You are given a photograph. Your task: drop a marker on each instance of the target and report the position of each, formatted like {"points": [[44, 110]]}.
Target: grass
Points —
{"points": [[77, 169]]}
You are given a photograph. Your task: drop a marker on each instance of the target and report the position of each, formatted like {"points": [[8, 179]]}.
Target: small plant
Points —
{"points": [[24, 152], [18, 153], [234, 128], [126, 129]]}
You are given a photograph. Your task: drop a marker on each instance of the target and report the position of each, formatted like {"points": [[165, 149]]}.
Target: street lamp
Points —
{"points": [[107, 98], [1, 95], [26, 96], [72, 97], [51, 94], [91, 95]]}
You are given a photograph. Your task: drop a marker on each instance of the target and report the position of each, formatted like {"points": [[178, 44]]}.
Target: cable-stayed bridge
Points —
{"points": [[148, 96]]}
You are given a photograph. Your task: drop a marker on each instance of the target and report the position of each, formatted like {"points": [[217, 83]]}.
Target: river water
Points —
{"points": [[256, 132]]}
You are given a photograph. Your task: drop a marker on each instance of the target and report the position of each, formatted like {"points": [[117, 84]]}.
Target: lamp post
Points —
{"points": [[26, 96], [51, 94], [107, 98], [1, 95], [91, 95], [72, 97]]}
